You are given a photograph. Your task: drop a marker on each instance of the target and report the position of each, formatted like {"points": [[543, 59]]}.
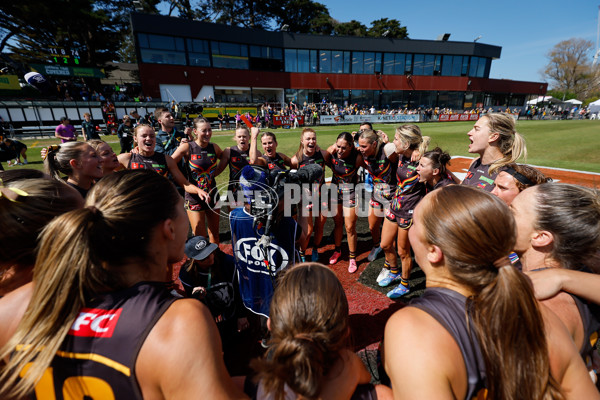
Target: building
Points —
{"points": [[190, 61]]}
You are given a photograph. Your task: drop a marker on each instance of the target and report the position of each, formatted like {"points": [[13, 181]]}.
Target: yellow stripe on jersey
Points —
{"points": [[97, 358]]}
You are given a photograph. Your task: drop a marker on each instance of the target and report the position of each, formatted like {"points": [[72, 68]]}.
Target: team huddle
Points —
{"points": [[89, 309]]}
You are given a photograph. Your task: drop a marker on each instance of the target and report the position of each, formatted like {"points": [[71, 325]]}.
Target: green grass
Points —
{"points": [[571, 144]]}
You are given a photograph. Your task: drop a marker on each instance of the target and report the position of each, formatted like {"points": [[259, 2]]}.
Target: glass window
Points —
{"points": [[291, 63], [313, 61], [229, 55], [162, 57], [473, 66], [419, 59], [337, 62], [447, 65], [161, 42], [346, 62], [198, 53], [388, 63], [255, 51], [369, 62], [481, 67], [465, 66], [143, 40], [276, 53], [437, 67], [324, 61], [377, 62], [428, 65], [399, 64], [357, 62], [303, 61], [199, 59], [197, 46], [408, 64], [457, 65]]}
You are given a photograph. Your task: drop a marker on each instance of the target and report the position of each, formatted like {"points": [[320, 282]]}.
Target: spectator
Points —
{"points": [[125, 134], [65, 131], [88, 129]]}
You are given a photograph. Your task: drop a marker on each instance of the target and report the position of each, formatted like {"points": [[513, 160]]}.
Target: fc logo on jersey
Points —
{"points": [[93, 322]]}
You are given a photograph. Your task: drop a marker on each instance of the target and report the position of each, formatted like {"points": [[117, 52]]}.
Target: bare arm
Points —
{"points": [[124, 159], [223, 161], [182, 152], [184, 343], [83, 134], [254, 153], [286, 160], [549, 282], [294, 162], [181, 181]]}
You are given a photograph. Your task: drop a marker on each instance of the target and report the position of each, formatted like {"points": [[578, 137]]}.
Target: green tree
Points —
{"points": [[387, 28], [569, 69], [352, 28], [303, 16]]}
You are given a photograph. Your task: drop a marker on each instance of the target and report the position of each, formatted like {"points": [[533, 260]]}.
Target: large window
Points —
{"points": [[340, 62], [419, 60], [198, 52], [324, 61], [229, 55], [159, 49], [300, 60], [266, 58]]}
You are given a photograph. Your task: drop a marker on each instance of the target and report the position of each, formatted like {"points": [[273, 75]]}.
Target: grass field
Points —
{"points": [[571, 144]]}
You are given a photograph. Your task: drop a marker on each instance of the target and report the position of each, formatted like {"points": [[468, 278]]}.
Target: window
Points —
{"points": [[161, 49], [369, 63], [473, 66], [457, 65], [337, 62], [377, 62], [324, 61], [229, 55], [357, 62], [437, 66], [399, 64], [198, 52], [408, 64], [447, 65], [428, 65], [388, 63], [291, 60], [419, 60], [265, 58]]}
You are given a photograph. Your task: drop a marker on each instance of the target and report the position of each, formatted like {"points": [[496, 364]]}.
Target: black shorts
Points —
{"points": [[347, 196], [194, 203], [402, 220]]}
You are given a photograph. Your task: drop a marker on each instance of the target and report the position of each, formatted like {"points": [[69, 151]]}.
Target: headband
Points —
{"points": [[520, 177]]}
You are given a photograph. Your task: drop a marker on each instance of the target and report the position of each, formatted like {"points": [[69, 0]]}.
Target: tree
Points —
{"points": [[303, 16], [352, 28], [569, 69], [379, 28]]}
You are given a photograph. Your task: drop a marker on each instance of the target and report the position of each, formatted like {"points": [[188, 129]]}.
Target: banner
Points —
{"points": [[458, 117], [378, 118], [68, 71], [280, 120], [9, 82]]}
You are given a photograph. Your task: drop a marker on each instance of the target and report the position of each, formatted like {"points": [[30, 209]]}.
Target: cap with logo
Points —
{"points": [[199, 248]]}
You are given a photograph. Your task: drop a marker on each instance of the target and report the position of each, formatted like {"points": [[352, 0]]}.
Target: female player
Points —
{"points": [[309, 153], [398, 218], [492, 338], [271, 159], [558, 226], [29, 199], [108, 158], [432, 169], [78, 160], [345, 161], [83, 332], [147, 158], [309, 355], [497, 142], [202, 157], [380, 161], [237, 157]]}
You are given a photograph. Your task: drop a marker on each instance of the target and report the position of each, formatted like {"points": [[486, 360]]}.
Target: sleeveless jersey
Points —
{"points": [[409, 190], [255, 280], [345, 170], [276, 163], [383, 172], [443, 182], [448, 308], [237, 160], [156, 162], [589, 314], [97, 358], [203, 163], [478, 175], [316, 158]]}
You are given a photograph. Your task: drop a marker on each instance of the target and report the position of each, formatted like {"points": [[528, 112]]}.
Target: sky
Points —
{"points": [[526, 30]]}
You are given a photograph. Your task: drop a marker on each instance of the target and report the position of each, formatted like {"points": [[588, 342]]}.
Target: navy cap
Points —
{"points": [[199, 248]]}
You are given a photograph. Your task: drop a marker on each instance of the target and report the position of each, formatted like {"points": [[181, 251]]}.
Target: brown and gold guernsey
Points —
{"points": [[316, 158], [276, 163], [479, 176], [97, 358], [383, 172], [156, 162]]}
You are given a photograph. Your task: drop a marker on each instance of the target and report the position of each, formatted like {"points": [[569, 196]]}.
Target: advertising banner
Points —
{"points": [[357, 119], [280, 120], [458, 117]]}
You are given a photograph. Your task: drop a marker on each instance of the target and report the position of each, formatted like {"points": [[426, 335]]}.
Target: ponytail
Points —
{"points": [[58, 158], [424, 145], [510, 142], [411, 135], [510, 331]]}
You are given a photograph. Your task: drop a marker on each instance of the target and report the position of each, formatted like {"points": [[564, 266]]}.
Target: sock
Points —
{"points": [[376, 244], [302, 256], [352, 255], [394, 270], [404, 282], [315, 249], [386, 265]]}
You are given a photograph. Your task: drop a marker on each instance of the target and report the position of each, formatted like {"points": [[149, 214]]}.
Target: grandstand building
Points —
{"points": [[187, 60]]}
